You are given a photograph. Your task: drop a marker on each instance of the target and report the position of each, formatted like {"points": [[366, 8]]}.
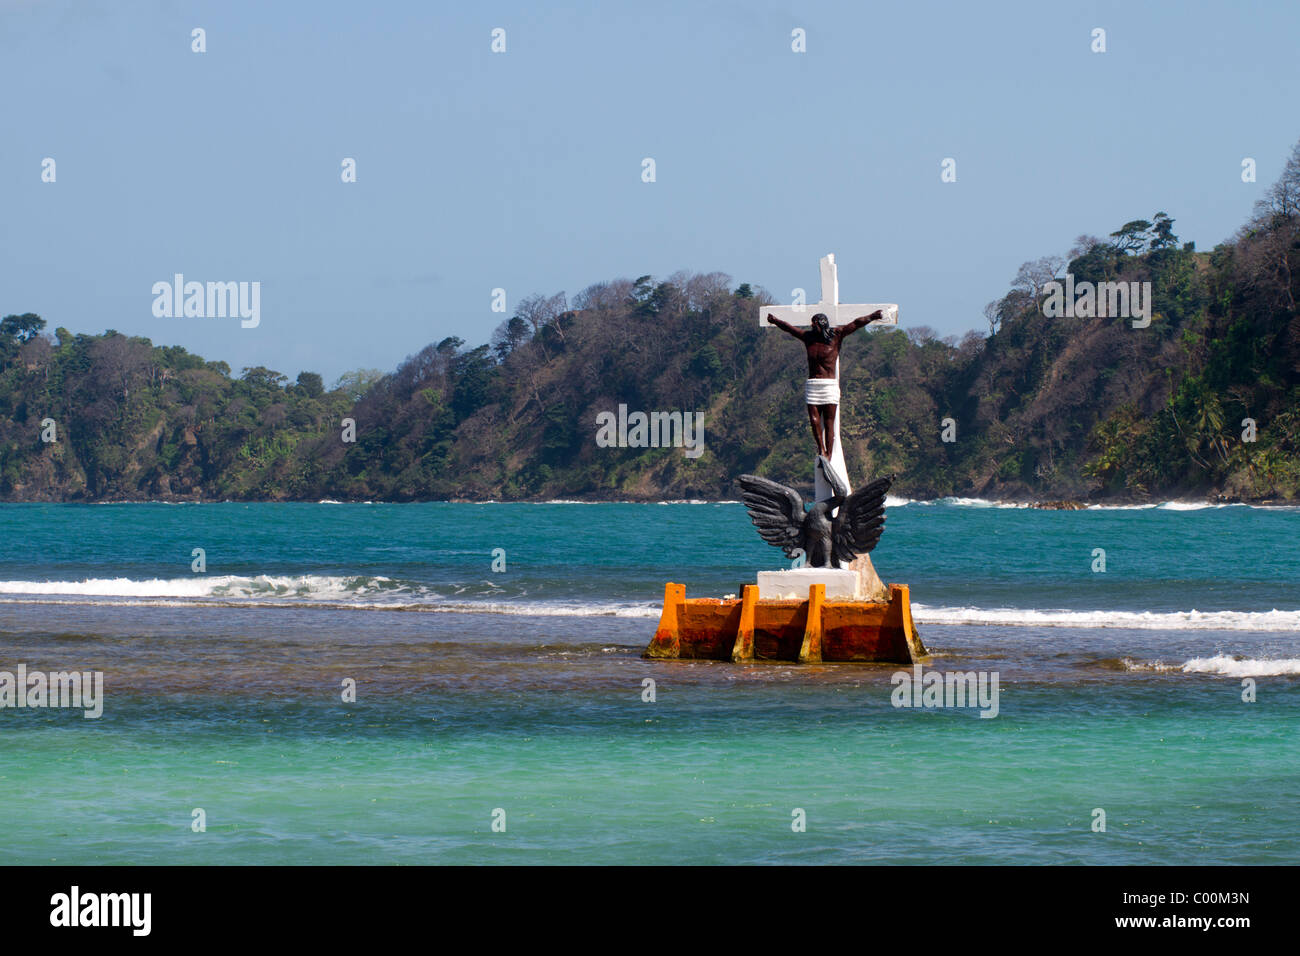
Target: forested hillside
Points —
{"points": [[1041, 407]]}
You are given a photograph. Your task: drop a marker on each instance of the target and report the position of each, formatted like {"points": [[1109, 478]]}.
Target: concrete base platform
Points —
{"points": [[811, 630]]}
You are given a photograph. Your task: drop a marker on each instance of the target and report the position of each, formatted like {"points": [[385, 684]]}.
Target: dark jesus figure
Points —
{"points": [[822, 390]]}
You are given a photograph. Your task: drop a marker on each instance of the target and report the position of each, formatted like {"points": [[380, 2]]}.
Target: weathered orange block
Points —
{"points": [[811, 631]]}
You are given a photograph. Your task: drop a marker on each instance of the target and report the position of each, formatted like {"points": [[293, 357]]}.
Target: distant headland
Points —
{"points": [[1173, 374]]}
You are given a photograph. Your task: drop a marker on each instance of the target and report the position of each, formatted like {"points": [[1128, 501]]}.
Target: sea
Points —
{"points": [[448, 683]]}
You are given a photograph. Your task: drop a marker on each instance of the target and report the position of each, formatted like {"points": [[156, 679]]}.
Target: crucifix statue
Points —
{"points": [[821, 328]]}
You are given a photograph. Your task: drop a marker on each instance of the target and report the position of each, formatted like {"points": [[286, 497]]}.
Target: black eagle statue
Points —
{"points": [[778, 514]]}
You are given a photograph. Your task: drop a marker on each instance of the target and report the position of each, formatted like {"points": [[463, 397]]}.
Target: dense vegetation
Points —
{"points": [[1042, 407]]}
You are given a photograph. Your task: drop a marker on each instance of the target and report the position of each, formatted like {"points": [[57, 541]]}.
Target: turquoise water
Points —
{"points": [[522, 690]]}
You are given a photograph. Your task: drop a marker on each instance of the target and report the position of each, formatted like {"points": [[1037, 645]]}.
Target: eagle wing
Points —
{"points": [[777, 512], [860, 521]]}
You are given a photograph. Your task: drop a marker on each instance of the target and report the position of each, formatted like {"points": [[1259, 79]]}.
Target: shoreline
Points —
{"points": [[1045, 504]]}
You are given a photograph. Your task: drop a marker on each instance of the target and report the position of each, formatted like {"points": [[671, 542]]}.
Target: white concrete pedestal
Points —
{"points": [[858, 582], [841, 584]]}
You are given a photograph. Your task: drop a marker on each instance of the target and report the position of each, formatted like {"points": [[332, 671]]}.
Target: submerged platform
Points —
{"points": [[808, 631]]}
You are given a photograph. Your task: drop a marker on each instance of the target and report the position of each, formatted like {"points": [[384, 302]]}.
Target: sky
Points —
{"points": [[522, 170]]}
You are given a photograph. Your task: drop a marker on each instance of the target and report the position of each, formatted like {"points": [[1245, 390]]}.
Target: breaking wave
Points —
{"points": [[300, 591], [320, 587], [383, 593], [893, 502], [1193, 620], [1221, 664]]}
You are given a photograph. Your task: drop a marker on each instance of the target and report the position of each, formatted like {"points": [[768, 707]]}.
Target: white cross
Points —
{"points": [[830, 304]]}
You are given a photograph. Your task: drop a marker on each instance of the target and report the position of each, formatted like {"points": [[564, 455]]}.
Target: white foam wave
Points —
{"points": [[644, 611], [1193, 620], [1156, 667], [540, 609], [1190, 506], [308, 590], [201, 586], [1223, 664], [1243, 667], [955, 502], [365, 593], [959, 502], [1170, 506]]}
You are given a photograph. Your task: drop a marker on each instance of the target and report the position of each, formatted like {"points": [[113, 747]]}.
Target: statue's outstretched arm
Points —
{"points": [[784, 326], [850, 327]]}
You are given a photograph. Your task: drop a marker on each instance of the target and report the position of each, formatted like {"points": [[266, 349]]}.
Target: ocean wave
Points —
{"points": [[202, 586], [299, 591], [982, 503], [547, 609], [1223, 664], [1193, 620], [956, 502], [1176, 506], [536, 609], [383, 593], [1242, 667]]}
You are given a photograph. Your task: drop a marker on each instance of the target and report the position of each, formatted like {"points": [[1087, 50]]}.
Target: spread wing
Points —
{"points": [[777, 512], [861, 520]]}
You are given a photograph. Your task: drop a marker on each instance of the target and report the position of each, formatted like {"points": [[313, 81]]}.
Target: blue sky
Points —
{"points": [[522, 170]]}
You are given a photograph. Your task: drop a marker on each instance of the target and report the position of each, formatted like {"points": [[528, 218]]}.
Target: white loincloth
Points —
{"points": [[822, 490], [821, 391]]}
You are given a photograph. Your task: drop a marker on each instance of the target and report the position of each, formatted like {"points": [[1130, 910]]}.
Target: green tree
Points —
{"points": [[260, 376], [1162, 232], [311, 384], [16, 330], [357, 382], [473, 372], [1131, 237], [20, 328]]}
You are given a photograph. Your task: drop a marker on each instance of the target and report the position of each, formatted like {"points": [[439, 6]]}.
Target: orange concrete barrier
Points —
{"points": [[811, 631]]}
